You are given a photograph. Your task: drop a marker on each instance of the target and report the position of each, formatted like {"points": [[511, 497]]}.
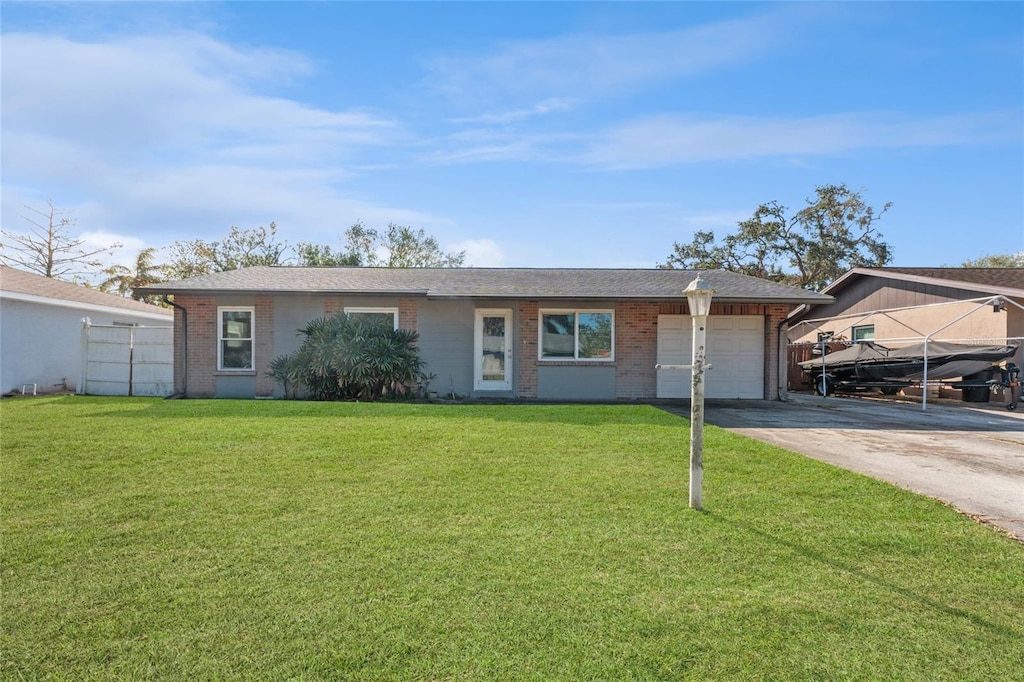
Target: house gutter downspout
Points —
{"points": [[184, 343]]}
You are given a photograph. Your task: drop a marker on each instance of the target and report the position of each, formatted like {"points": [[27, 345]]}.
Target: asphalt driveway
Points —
{"points": [[969, 456]]}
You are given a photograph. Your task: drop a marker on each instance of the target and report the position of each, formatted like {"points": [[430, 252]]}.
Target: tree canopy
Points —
{"points": [[241, 248], [123, 280], [397, 246], [834, 232], [48, 248], [1000, 260]]}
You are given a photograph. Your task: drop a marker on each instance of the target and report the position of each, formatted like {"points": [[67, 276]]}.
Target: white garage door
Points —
{"points": [[735, 348]]}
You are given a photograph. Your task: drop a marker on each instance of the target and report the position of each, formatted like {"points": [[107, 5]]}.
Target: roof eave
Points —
{"points": [[171, 291], [786, 300], [924, 279]]}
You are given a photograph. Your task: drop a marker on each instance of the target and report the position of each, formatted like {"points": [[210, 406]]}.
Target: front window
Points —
{"points": [[864, 333], [234, 338], [576, 335], [385, 316]]}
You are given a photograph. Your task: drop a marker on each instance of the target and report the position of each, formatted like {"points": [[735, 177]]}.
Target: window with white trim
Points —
{"points": [[236, 330], [863, 333], [388, 316], [577, 335]]}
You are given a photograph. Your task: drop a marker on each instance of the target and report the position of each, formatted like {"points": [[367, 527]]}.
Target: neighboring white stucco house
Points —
{"points": [[41, 328]]}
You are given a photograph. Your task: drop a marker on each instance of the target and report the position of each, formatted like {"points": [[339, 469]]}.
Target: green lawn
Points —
{"points": [[283, 540]]}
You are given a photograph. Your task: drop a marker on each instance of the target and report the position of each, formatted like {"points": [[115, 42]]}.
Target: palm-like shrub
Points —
{"points": [[346, 358]]}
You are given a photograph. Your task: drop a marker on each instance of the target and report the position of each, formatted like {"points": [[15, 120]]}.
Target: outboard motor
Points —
{"points": [[1013, 382]]}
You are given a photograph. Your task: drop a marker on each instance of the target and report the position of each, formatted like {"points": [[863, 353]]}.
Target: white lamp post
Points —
{"points": [[698, 295]]}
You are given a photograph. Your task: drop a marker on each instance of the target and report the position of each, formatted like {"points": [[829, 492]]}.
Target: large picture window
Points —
{"points": [[577, 335], [235, 333], [387, 316]]}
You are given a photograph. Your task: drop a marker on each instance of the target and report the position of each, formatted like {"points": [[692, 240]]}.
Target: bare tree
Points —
{"points": [[48, 249]]}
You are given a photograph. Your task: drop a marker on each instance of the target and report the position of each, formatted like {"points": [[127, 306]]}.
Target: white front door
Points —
{"points": [[492, 347]]}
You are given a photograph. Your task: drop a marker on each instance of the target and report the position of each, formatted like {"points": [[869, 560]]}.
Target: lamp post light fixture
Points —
{"points": [[698, 296]]}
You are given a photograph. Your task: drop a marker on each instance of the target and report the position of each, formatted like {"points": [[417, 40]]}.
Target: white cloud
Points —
{"points": [[658, 141], [171, 137], [548, 106], [156, 95], [485, 144], [585, 64], [481, 253]]}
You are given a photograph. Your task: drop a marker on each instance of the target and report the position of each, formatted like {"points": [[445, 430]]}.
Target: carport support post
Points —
{"points": [[698, 295]]}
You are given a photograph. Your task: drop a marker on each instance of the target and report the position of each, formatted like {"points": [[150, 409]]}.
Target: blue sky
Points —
{"points": [[529, 134]]}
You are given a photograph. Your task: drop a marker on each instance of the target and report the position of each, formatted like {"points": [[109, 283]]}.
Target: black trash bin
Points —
{"points": [[977, 394]]}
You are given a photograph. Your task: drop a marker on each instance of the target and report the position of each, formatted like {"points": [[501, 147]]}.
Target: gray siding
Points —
{"points": [[578, 382], [446, 343], [236, 387], [290, 314], [370, 301]]}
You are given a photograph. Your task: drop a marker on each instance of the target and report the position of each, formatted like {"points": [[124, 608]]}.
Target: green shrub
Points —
{"points": [[347, 358]]}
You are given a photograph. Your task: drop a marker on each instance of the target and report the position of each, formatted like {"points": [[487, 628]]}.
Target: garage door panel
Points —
{"points": [[754, 346], [735, 349]]}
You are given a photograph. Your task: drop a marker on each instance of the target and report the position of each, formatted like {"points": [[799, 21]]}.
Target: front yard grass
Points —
{"points": [[149, 539]]}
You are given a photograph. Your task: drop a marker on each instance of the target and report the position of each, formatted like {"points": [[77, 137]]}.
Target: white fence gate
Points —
{"points": [[122, 360]]}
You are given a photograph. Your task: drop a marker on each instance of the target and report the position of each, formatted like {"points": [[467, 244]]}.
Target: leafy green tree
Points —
{"points": [[348, 358], [1001, 260], [834, 232], [48, 249], [322, 256], [241, 248], [398, 247], [123, 280]]}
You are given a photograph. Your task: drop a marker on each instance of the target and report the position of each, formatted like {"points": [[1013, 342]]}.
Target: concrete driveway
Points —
{"points": [[969, 456]]}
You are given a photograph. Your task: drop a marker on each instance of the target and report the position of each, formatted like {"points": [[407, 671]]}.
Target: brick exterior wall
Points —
{"points": [[202, 344], [774, 315], [636, 349], [179, 351], [526, 360], [333, 305], [263, 351], [407, 313], [636, 342]]}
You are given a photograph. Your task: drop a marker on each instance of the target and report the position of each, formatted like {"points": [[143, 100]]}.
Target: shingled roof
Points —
{"points": [[14, 281], [1006, 281], [531, 283]]}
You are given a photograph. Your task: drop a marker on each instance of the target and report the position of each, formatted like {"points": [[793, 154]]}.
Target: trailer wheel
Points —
{"points": [[824, 385], [890, 390]]}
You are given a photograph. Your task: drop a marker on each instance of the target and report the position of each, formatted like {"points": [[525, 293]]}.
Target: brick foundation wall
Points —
{"points": [[636, 349], [526, 360]]}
